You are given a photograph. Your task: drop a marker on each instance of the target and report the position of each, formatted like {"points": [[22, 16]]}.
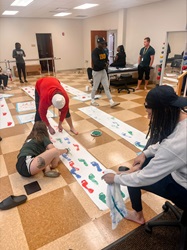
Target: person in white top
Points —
{"points": [[166, 172]]}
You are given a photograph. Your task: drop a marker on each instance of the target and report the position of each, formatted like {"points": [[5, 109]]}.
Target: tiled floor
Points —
{"points": [[61, 215]]}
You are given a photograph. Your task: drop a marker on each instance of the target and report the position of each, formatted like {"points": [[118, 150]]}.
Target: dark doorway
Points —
{"points": [[45, 50]]}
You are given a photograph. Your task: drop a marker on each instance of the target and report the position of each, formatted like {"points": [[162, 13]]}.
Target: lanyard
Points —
{"points": [[145, 50]]}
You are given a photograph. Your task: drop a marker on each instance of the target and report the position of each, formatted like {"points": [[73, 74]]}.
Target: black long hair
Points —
{"points": [[162, 123], [38, 132], [121, 48]]}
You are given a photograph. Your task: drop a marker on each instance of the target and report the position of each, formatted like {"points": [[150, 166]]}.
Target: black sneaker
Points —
{"points": [[21, 81], [26, 81], [123, 168]]}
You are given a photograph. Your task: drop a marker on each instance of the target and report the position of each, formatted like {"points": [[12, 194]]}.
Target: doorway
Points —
{"points": [[109, 36], [45, 50]]}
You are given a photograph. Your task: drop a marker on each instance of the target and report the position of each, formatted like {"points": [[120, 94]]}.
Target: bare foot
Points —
{"points": [[137, 88], [74, 131], [135, 216], [145, 88]]}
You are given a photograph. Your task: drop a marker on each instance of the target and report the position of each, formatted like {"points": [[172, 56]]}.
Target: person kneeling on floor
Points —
{"points": [[38, 153]]}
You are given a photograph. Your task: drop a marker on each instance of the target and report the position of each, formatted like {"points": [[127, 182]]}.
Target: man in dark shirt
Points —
{"points": [[145, 62], [100, 65]]}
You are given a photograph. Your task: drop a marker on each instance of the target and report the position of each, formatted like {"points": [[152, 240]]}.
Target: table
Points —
{"points": [[113, 71]]}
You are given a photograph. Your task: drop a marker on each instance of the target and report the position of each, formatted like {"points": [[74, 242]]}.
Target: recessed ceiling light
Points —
{"points": [[63, 14], [10, 12], [21, 2], [86, 6]]}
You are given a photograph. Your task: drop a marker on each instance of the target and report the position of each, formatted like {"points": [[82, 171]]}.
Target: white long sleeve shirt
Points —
{"points": [[170, 157]]}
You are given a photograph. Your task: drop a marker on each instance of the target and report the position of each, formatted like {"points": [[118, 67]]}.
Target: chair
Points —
{"points": [[181, 222], [177, 61], [181, 81], [122, 83]]}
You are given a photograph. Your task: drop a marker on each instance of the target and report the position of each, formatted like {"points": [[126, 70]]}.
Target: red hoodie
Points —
{"points": [[47, 87]]}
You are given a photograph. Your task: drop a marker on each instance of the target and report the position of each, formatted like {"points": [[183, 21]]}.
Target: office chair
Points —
{"points": [[176, 63], [181, 222], [121, 83]]}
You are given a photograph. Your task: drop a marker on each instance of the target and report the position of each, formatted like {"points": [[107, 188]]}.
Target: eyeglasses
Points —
{"points": [[147, 106], [184, 109]]}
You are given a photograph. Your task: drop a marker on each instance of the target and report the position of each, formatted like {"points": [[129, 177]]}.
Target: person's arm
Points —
{"points": [[24, 53], [14, 54], [116, 58], [158, 168], [139, 59], [152, 60]]}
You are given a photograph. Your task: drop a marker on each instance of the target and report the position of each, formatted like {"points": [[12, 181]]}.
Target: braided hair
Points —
{"points": [[163, 122]]}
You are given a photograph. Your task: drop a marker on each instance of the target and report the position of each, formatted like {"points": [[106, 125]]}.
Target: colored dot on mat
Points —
{"points": [[161, 56], [162, 52], [158, 78], [159, 69]]}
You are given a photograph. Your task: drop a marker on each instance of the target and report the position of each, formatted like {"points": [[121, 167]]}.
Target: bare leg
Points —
{"points": [[138, 85], [43, 160], [70, 123], [135, 216], [146, 83]]}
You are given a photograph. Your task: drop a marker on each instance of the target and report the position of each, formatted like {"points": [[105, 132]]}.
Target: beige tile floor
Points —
{"points": [[61, 215]]}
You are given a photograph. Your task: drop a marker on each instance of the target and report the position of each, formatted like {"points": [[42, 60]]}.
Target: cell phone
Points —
{"points": [[32, 187]]}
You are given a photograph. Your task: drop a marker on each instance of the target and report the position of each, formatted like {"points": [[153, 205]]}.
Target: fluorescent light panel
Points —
{"points": [[63, 14], [21, 2], [86, 6], [10, 12]]}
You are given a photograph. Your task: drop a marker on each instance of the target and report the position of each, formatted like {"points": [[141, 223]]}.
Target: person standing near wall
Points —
{"points": [[18, 54], [145, 62], [100, 65]]}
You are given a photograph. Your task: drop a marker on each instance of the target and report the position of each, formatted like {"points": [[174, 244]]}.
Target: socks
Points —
{"points": [[111, 101]]}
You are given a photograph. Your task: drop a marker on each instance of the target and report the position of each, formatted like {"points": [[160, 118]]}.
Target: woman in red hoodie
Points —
{"points": [[49, 91]]}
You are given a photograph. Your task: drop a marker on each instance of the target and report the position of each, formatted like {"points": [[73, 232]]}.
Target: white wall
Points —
{"points": [[69, 47], [104, 22], [132, 25], [153, 20]]}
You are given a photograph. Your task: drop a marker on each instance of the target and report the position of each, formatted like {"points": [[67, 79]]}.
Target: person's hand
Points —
{"points": [[108, 178], [138, 161], [51, 130], [60, 128]]}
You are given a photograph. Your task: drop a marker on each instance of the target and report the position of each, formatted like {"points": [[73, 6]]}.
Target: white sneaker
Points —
{"points": [[94, 104], [114, 104], [7, 88]]}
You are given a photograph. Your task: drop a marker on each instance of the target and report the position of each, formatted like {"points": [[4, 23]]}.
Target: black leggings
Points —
{"points": [[21, 67], [167, 188]]}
